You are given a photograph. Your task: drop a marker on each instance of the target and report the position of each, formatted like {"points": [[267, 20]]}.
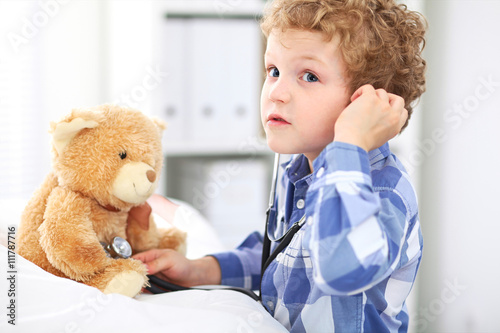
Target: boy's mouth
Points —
{"points": [[275, 119]]}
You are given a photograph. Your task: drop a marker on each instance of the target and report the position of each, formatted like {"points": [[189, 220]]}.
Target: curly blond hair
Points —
{"points": [[380, 41]]}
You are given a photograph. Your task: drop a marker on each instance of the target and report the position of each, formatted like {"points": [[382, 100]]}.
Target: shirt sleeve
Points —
{"points": [[241, 267], [354, 233]]}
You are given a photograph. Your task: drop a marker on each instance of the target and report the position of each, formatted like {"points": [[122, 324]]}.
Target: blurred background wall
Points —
{"points": [[459, 176], [56, 55]]}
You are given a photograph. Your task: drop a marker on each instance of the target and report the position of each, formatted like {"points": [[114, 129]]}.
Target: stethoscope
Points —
{"points": [[120, 248], [275, 232]]}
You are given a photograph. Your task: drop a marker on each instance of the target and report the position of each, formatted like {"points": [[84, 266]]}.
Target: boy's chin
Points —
{"points": [[281, 148], [285, 149]]}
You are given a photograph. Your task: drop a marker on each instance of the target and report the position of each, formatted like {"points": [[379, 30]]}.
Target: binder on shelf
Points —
{"points": [[211, 94], [172, 102], [243, 72], [207, 41]]}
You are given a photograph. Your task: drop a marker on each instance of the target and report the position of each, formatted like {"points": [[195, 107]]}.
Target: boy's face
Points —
{"points": [[304, 92]]}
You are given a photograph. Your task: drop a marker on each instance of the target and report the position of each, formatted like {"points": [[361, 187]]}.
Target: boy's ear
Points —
{"points": [[64, 131]]}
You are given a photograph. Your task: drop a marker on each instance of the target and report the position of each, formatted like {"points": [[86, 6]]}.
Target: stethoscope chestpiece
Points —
{"points": [[119, 248]]}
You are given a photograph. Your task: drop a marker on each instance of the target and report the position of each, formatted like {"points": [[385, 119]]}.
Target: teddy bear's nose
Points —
{"points": [[151, 175]]}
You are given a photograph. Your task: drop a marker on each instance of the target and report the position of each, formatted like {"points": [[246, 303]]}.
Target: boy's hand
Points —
{"points": [[373, 118], [172, 266]]}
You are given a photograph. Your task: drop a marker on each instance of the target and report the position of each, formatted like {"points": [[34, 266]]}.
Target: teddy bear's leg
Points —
{"points": [[124, 276]]}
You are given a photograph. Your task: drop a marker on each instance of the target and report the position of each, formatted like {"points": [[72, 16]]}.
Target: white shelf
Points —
{"points": [[201, 149], [220, 8]]}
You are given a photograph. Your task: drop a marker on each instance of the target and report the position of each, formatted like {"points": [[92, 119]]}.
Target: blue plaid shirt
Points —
{"points": [[352, 265]]}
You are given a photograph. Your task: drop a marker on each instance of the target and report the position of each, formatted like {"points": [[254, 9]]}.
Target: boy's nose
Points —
{"points": [[279, 91]]}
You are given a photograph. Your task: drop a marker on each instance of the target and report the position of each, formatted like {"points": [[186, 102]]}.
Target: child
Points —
{"points": [[341, 76]]}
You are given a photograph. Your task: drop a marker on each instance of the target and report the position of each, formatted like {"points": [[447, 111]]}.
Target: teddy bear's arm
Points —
{"points": [[142, 240], [67, 236]]}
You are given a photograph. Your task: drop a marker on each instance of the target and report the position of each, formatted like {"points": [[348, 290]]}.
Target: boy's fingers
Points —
{"points": [[159, 264], [403, 118], [155, 260], [396, 101], [383, 95], [147, 256], [362, 90], [398, 104]]}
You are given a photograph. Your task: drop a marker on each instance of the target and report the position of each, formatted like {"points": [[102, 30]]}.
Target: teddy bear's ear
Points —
{"points": [[64, 132], [162, 125]]}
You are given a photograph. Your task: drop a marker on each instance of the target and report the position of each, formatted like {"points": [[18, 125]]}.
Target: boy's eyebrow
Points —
{"points": [[313, 58]]}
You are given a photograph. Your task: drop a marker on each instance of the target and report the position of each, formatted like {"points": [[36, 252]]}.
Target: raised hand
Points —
{"points": [[373, 117]]}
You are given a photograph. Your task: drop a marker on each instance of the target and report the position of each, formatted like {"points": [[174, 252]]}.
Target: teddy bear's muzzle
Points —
{"points": [[135, 182]]}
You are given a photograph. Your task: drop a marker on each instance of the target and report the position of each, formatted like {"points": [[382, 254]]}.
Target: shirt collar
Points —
{"points": [[379, 154], [298, 166]]}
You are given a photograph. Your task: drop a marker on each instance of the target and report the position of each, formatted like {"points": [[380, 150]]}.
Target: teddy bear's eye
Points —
{"points": [[123, 155]]}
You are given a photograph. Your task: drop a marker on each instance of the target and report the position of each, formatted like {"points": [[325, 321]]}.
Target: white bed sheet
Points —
{"points": [[46, 303]]}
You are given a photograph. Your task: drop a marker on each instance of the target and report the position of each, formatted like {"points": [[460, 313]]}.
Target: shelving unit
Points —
{"points": [[216, 156]]}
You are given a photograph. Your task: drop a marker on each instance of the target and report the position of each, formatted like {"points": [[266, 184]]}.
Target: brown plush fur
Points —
{"points": [[75, 209]]}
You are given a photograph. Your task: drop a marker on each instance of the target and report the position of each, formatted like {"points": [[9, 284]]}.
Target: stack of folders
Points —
{"points": [[211, 95]]}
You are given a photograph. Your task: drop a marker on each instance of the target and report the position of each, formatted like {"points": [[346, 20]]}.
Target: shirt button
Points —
{"points": [[270, 305], [320, 172], [301, 203]]}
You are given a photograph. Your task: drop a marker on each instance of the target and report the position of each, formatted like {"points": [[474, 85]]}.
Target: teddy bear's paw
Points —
{"points": [[182, 248], [173, 238], [128, 283]]}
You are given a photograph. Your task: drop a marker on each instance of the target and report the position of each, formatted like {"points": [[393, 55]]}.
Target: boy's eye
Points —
{"points": [[274, 72], [309, 77]]}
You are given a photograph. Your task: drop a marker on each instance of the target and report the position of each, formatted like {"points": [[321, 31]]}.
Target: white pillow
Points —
{"points": [[202, 238]]}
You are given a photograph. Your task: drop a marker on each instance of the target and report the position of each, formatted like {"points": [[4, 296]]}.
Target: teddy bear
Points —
{"points": [[105, 161]]}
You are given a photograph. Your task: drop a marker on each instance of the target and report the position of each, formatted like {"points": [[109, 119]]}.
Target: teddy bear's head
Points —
{"points": [[109, 153]]}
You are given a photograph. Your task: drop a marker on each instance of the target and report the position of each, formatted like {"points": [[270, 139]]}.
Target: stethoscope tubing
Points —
{"points": [[158, 286]]}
